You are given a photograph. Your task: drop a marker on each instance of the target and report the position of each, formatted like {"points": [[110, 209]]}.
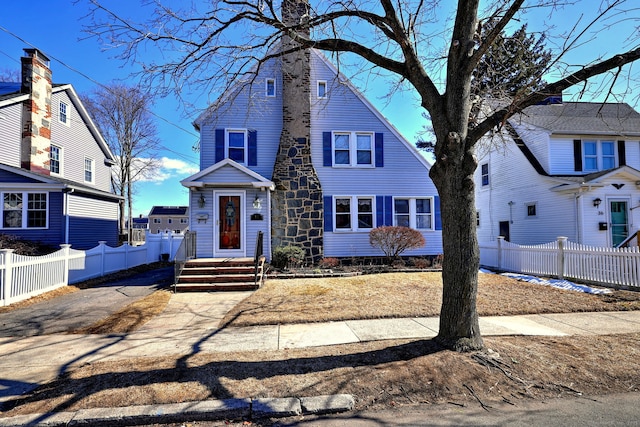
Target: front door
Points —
{"points": [[229, 238], [619, 222]]}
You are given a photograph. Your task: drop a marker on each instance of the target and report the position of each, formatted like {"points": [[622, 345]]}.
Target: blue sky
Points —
{"points": [[54, 26]]}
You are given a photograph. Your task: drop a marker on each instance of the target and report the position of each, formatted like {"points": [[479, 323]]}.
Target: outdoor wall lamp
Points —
{"points": [[257, 203], [201, 201], [597, 201]]}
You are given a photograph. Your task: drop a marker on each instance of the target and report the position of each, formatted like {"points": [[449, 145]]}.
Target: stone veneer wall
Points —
{"points": [[36, 112], [297, 209]]}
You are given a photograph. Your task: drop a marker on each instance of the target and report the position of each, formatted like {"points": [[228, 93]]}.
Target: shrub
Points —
{"points": [[329, 263], [25, 247], [287, 257], [394, 240], [420, 263]]}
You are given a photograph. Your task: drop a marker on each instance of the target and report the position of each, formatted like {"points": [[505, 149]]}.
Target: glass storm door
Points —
{"points": [[619, 226], [229, 223]]}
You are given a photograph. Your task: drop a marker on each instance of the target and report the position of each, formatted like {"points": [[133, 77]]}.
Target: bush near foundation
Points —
{"points": [[394, 240]]}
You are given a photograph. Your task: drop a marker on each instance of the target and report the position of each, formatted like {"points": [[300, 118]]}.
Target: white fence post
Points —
{"points": [[7, 256], [103, 256], [562, 241], [500, 241], [65, 272]]}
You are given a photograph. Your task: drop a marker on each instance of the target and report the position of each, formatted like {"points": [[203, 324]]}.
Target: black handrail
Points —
{"points": [[258, 257]]}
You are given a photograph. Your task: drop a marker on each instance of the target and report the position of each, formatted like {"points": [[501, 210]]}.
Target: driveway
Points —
{"points": [[82, 308]]}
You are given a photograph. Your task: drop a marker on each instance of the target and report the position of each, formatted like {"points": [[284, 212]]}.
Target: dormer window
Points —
{"points": [[598, 155], [270, 87]]}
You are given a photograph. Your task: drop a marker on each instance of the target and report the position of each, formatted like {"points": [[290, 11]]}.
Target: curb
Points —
{"points": [[208, 410]]}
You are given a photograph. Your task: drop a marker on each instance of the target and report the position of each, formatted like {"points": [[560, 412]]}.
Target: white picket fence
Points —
{"points": [[563, 259], [22, 277]]}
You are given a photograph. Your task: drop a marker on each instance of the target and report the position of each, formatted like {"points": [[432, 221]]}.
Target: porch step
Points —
{"points": [[220, 274]]}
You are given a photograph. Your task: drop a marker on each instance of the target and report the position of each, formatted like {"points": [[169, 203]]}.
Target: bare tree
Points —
{"points": [[229, 41], [122, 114], [10, 75]]}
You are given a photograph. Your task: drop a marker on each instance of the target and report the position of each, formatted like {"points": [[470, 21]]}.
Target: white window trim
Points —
{"points": [[60, 161], [353, 206], [266, 87], [599, 154], [93, 170], [25, 210], [482, 184], [353, 149], [67, 113], [318, 84], [413, 212], [157, 221], [526, 210], [246, 143]]}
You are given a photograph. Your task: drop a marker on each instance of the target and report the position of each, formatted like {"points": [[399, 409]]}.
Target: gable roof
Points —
{"points": [[592, 118], [168, 210], [14, 97], [255, 179]]}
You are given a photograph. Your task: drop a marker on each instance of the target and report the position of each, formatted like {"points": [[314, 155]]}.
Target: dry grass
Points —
{"points": [[379, 374], [407, 295], [131, 317]]}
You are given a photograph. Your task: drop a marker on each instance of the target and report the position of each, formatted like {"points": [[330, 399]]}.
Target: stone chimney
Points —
{"points": [[36, 112], [297, 210]]}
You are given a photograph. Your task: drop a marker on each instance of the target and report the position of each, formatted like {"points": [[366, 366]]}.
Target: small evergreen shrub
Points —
{"points": [[287, 257]]}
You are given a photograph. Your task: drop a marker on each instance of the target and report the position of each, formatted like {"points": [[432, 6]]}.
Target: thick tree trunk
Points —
{"points": [[459, 327]]}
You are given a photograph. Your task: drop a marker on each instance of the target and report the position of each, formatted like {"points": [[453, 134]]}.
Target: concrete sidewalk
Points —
{"points": [[189, 325]]}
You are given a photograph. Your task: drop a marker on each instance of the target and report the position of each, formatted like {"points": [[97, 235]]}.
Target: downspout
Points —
{"points": [[576, 196], [66, 193]]}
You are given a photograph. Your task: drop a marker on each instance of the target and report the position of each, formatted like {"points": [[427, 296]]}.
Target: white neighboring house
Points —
{"points": [[561, 169]]}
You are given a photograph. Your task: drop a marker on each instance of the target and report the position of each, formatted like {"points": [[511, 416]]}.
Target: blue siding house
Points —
{"points": [[55, 167], [299, 154]]}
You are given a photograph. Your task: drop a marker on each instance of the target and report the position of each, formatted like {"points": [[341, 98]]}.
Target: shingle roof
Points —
{"points": [[583, 118], [168, 210]]}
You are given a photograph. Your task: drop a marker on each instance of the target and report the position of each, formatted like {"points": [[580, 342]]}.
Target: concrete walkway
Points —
{"points": [[189, 323]]}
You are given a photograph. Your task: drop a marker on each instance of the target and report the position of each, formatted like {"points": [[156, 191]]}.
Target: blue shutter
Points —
{"points": [[252, 146], [379, 150], [328, 213], [388, 210], [219, 145], [379, 211], [327, 156], [436, 210]]}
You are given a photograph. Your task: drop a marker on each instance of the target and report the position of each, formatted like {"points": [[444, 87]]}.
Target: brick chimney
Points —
{"points": [[297, 210], [36, 112]]}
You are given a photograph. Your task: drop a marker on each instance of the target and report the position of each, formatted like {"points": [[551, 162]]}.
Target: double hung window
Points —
{"points": [[598, 155], [63, 113], [413, 212], [55, 160], [88, 170], [354, 213], [270, 87], [237, 145], [353, 149], [18, 214]]}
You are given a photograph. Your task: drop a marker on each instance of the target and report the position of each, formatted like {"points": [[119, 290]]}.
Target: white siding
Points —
{"points": [[77, 142], [632, 151], [513, 179], [92, 208], [537, 140], [10, 130]]}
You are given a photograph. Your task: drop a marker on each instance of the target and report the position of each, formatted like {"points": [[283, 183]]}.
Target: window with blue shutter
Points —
{"points": [[353, 149]]}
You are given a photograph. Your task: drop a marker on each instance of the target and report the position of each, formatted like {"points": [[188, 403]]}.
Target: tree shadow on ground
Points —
{"points": [[68, 391]]}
